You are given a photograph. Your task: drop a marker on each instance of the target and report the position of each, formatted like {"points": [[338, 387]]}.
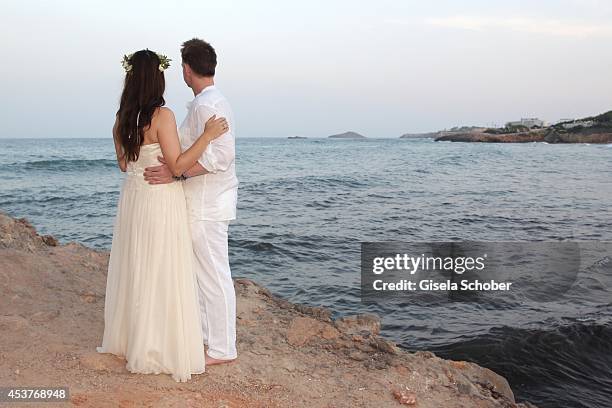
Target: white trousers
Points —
{"points": [[215, 287]]}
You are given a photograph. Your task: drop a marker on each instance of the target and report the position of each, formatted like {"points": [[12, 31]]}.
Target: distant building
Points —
{"points": [[576, 123], [564, 120], [528, 123]]}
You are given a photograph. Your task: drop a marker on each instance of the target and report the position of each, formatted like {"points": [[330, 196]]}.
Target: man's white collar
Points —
{"points": [[206, 88]]}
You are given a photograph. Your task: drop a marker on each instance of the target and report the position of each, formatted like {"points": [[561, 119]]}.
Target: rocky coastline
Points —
{"points": [[548, 135], [290, 355]]}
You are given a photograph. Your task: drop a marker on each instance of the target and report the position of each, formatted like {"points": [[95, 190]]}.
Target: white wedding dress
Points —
{"points": [[151, 313]]}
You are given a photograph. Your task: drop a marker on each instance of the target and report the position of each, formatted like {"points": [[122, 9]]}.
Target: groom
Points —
{"points": [[211, 192]]}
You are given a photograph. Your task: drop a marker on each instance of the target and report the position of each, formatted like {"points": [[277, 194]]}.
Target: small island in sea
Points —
{"points": [[594, 129], [347, 135], [297, 137]]}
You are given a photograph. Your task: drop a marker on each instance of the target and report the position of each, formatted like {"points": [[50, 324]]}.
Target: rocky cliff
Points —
{"points": [[290, 355], [548, 135]]}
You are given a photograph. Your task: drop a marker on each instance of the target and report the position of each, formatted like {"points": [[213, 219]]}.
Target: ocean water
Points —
{"points": [[306, 205]]}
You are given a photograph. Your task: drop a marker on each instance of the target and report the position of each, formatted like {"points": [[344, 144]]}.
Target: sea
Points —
{"points": [[306, 205]]}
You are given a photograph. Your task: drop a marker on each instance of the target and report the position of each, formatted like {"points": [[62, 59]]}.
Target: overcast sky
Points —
{"points": [[312, 68]]}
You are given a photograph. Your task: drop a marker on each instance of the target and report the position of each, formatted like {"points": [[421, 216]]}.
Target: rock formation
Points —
{"points": [[348, 135], [290, 355], [548, 135]]}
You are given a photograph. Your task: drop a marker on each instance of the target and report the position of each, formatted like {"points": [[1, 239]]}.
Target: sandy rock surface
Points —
{"points": [[51, 320]]}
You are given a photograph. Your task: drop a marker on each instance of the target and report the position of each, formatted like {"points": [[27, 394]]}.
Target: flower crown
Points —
{"points": [[164, 62]]}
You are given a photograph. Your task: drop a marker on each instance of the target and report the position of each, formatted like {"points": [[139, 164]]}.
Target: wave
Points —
{"points": [[62, 165], [306, 184], [257, 246], [103, 199], [572, 360]]}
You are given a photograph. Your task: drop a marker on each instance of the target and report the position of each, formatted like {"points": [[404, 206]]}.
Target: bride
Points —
{"points": [[151, 313]]}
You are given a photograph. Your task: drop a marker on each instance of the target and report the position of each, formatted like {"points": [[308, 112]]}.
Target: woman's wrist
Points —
{"points": [[182, 177]]}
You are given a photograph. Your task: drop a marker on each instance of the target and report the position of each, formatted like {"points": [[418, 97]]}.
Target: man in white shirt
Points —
{"points": [[211, 192]]}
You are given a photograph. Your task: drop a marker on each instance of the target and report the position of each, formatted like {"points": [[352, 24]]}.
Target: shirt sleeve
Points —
{"points": [[221, 152]]}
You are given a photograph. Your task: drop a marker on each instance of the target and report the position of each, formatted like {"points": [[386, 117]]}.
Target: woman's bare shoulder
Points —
{"points": [[162, 115], [164, 112]]}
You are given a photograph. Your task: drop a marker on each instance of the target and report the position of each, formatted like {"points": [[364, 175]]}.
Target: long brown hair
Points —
{"points": [[143, 92]]}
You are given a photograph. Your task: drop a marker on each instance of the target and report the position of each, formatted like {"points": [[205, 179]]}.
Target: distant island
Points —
{"points": [[348, 135], [297, 137], [593, 129]]}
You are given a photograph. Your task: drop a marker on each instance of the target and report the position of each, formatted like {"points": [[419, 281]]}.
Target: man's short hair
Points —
{"points": [[200, 56]]}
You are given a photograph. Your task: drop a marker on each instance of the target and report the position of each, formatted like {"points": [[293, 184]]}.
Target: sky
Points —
{"points": [[312, 68]]}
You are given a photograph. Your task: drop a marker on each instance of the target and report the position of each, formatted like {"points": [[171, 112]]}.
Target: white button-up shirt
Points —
{"points": [[211, 196]]}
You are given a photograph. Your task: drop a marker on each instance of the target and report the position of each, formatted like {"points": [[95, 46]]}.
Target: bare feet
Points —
{"points": [[216, 361]]}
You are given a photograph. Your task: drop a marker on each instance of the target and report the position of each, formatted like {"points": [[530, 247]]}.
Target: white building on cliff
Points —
{"points": [[528, 122]]}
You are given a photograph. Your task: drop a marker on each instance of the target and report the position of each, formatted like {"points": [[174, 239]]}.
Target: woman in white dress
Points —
{"points": [[151, 313]]}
